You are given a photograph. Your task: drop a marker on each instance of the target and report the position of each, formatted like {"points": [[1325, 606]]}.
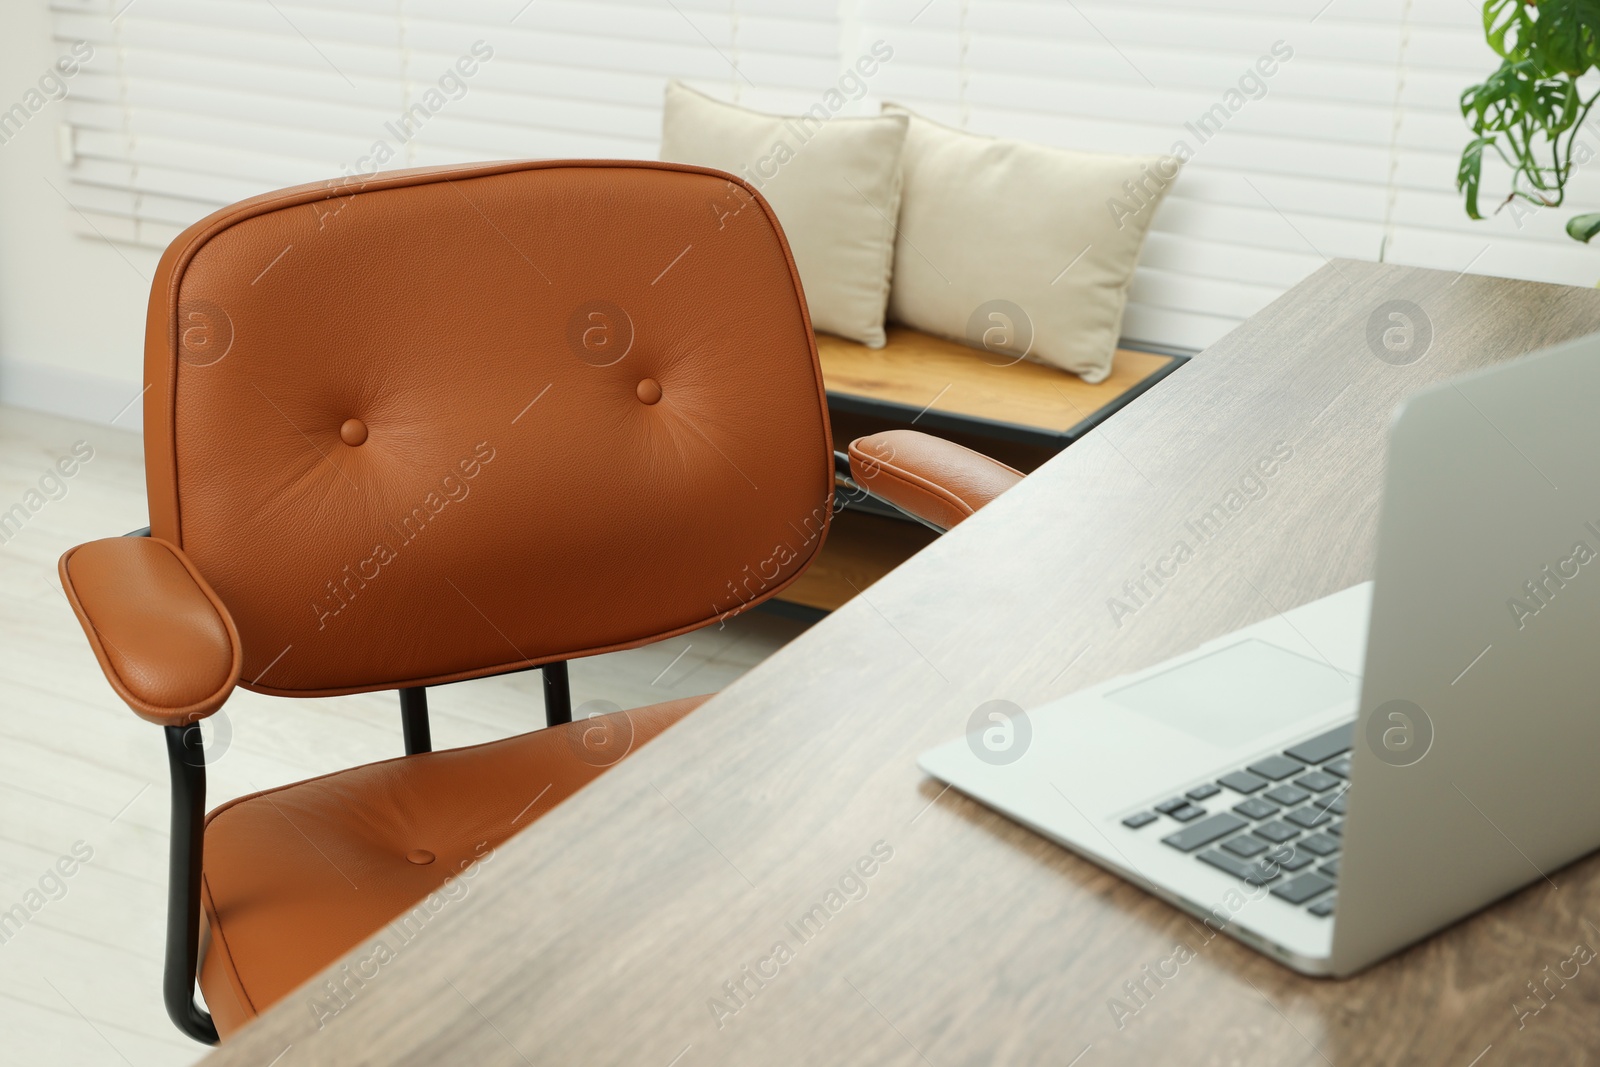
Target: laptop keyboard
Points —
{"points": [[1274, 822]]}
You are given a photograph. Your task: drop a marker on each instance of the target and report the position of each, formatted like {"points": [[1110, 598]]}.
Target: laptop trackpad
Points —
{"points": [[1238, 693]]}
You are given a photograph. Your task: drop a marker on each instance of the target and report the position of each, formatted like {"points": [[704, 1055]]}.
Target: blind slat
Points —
{"points": [[1346, 147]]}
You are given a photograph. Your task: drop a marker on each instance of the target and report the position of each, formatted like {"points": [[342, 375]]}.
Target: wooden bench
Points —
{"points": [[1020, 413], [942, 385]]}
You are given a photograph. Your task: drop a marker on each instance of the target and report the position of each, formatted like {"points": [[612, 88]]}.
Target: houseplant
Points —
{"points": [[1530, 111]]}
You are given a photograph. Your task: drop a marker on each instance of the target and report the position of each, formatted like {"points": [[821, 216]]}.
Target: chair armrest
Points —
{"points": [[166, 643], [937, 481]]}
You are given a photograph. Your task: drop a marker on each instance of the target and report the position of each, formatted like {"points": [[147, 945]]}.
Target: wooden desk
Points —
{"points": [[601, 934]]}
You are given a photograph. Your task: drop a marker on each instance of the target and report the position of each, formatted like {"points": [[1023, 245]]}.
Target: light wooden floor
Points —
{"points": [[81, 982]]}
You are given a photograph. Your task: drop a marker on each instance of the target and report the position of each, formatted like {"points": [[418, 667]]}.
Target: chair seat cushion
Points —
{"points": [[297, 876]]}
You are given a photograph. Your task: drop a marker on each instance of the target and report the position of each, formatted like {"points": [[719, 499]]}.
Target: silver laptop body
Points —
{"points": [[1454, 702]]}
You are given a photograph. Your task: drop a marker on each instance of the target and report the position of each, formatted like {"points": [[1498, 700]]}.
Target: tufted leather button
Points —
{"points": [[420, 856], [353, 432], [649, 391]]}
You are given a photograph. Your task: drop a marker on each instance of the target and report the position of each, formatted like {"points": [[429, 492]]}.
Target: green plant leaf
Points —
{"points": [[1503, 19], [1566, 35], [1528, 110], [1518, 93], [1470, 172], [1583, 227]]}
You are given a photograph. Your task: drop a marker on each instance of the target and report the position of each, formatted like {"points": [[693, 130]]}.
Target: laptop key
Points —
{"points": [[1324, 907], [1245, 845], [1324, 746], [1288, 858], [1339, 803], [1276, 767], [1143, 818], [1203, 792], [1337, 829], [1243, 782], [1302, 888], [1321, 844], [1256, 808], [1254, 872], [1167, 807], [1317, 782], [1341, 767], [1276, 831], [1330, 869], [1287, 795], [1310, 817], [1188, 813], [1204, 832]]}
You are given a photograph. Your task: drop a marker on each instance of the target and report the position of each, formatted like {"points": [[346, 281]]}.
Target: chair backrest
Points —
{"points": [[445, 423]]}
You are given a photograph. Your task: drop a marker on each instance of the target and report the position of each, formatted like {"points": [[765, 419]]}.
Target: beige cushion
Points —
{"points": [[834, 183], [1024, 250]]}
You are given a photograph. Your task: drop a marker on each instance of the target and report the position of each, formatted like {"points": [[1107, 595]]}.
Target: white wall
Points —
{"points": [[71, 308]]}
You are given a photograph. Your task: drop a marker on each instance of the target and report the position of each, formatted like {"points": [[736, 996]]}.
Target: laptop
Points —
{"points": [[1339, 781]]}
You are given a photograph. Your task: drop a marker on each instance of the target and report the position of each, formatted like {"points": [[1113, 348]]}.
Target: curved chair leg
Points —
{"points": [[187, 760]]}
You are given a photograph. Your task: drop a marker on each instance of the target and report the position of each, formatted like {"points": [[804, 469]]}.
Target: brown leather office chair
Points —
{"points": [[439, 425]]}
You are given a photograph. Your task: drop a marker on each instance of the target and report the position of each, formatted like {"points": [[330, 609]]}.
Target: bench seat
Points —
{"points": [[945, 385]]}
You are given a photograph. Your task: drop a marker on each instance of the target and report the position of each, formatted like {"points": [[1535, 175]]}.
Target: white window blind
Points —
{"points": [[1348, 147], [188, 105]]}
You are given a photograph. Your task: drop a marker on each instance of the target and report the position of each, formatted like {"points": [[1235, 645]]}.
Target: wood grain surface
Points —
{"points": [[606, 932], [919, 370]]}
